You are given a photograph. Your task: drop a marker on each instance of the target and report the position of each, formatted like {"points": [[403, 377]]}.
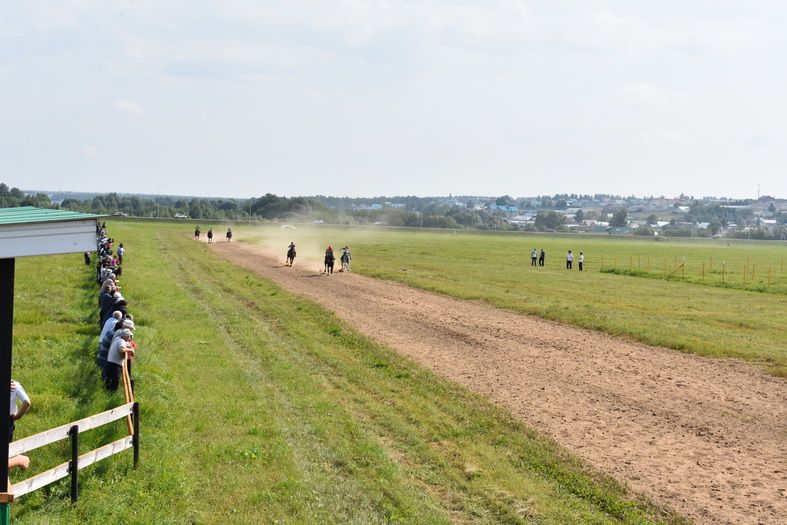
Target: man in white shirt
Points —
{"points": [[581, 260], [110, 323], [17, 394], [569, 260], [118, 350]]}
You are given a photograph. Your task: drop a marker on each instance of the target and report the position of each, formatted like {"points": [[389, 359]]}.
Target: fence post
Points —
{"points": [[639, 262], [602, 262], [665, 267], [752, 273], [703, 271], [135, 437], [769, 276], [73, 466]]}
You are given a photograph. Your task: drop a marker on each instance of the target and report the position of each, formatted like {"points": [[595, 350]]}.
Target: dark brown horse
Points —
{"points": [[290, 255]]}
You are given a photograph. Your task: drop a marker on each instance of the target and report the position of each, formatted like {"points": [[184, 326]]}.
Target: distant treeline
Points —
{"points": [[546, 213]]}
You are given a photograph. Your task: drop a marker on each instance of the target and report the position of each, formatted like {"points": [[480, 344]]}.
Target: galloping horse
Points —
{"points": [[345, 260], [229, 234], [329, 260], [290, 255], [196, 233]]}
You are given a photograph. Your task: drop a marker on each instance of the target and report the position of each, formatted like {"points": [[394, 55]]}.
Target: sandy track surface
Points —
{"points": [[706, 437]]}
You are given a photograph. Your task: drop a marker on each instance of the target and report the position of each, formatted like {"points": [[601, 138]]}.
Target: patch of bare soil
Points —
{"points": [[705, 437]]}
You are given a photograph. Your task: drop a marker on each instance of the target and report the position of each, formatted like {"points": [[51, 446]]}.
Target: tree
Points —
{"points": [[505, 200], [579, 217], [549, 221], [652, 219], [619, 217]]}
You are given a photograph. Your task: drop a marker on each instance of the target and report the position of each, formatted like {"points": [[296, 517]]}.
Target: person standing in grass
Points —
{"points": [[581, 260], [569, 260], [119, 350], [17, 394], [533, 257], [121, 252], [541, 257]]}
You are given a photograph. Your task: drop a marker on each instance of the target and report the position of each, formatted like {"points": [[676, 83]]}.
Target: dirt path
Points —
{"points": [[705, 437]]}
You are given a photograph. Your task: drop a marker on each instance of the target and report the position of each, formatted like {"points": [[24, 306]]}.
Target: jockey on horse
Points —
{"points": [[290, 254], [345, 259], [329, 260]]}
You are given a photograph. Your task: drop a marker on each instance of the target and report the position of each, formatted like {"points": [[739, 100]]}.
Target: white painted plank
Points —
{"points": [[40, 480], [85, 460], [59, 433]]}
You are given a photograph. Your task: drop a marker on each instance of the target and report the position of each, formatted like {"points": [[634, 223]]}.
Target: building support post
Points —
{"points": [[6, 343]]}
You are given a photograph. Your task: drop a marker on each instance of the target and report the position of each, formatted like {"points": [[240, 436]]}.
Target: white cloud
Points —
{"points": [[650, 95], [132, 107], [90, 151], [672, 137]]}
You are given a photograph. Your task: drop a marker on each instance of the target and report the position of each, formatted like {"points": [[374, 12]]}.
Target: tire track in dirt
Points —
{"points": [[706, 437]]}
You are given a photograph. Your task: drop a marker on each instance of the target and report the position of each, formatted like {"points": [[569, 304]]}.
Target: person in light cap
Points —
{"points": [[119, 350]]}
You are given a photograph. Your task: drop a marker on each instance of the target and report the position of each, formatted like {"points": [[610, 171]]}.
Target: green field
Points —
{"points": [[688, 314], [260, 407]]}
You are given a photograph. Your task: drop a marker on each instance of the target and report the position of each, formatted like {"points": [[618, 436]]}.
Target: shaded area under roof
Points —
{"points": [[30, 214]]}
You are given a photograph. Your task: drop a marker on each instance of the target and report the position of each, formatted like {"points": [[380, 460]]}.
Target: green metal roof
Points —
{"points": [[30, 214]]}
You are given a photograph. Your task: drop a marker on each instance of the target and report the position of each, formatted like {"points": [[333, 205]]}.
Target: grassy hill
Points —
{"points": [[260, 407]]}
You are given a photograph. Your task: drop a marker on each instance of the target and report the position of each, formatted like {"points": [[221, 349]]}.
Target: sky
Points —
{"points": [[375, 97]]}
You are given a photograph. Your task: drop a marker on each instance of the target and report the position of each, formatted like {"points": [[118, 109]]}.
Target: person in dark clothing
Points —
{"points": [[329, 260], [541, 257], [106, 302]]}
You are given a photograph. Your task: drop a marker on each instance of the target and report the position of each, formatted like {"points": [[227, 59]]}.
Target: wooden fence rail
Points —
{"points": [[64, 469], [60, 433], [71, 431]]}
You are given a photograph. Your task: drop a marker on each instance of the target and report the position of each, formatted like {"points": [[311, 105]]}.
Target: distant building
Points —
{"points": [[507, 209]]}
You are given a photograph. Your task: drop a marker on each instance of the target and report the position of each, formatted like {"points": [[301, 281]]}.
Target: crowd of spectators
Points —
{"points": [[116, 342]]}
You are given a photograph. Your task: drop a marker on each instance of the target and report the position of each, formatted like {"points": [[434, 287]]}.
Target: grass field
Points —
{"points": [[685, 314], [259, 407]]}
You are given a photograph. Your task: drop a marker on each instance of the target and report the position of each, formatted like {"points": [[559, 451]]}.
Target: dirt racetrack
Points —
{"points": [[706, 437]]}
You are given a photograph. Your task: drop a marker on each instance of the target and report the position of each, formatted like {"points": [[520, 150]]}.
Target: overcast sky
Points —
{"points": [[366, 97]]}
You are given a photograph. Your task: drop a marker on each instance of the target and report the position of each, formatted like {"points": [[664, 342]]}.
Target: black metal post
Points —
{"points": [[135, 437], [6, 343], [73, 466]]}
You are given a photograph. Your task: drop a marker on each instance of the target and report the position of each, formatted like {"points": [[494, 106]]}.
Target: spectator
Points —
{"points": [[533, 257], [569, 260], [541, 257], [119, 350], [109, 325], [121, 253], [581, 260], [16, 413]]}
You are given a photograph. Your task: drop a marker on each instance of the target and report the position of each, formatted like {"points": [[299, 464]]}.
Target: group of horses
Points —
{"points": [[197, 233], [329, 260]]}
